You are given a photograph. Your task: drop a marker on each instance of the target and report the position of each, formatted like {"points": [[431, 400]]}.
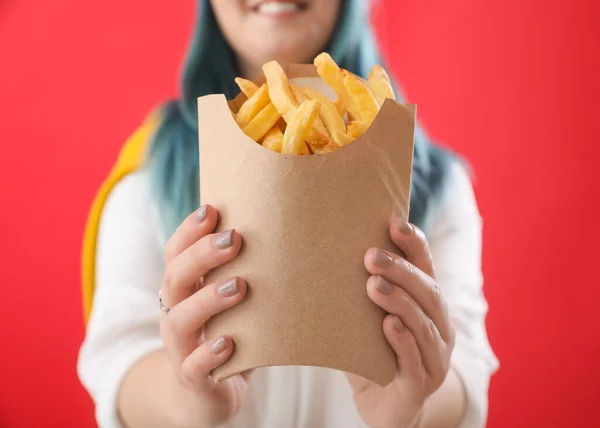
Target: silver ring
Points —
{"points": [[160, 302]]}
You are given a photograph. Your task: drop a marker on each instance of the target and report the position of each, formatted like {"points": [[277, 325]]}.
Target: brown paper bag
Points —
{"points": [[306, 223]]}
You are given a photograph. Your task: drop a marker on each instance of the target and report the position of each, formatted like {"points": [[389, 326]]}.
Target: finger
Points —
{"points": [[188, 317], [194, 262], [405, 346], [420, 286], [196, 368], [198, 224], [411, 241], [397, 302]]}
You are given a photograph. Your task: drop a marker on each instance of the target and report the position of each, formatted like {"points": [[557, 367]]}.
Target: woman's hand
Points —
{"points": [[418, 328], [191, 252]]}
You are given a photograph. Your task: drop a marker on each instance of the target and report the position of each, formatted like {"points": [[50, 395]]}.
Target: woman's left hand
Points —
{"points": [[418, 329]]}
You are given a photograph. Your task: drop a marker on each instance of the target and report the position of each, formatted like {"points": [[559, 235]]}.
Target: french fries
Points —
{"points": [[273, 140], [334, 122], [339, 105], [283, 98], [279, 90], [298, 127], [253, 106], [380, 84], [320, 136], [288, 119], [362, 98], [356, 129], [262, 123], [246, 86], [333, 76]]}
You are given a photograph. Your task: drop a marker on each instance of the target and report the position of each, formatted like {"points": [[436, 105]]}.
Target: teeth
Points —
{"points": [[278, 7]]}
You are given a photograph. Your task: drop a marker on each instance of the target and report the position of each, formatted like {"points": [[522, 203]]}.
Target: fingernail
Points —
{"points": [[384, 287], [218, 345], [398, 324], [405, 227], [382, 259], [224, 239], [201, 213], [228, 288]]}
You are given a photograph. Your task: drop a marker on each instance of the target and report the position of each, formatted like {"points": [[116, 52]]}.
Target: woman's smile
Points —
{"points": [[279, 9]]}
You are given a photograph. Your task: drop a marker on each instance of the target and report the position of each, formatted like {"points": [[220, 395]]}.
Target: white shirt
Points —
{"points": [[124, 324]]}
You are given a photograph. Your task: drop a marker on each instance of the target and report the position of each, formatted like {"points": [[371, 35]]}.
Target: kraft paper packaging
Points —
{"points": [[306, 223]]}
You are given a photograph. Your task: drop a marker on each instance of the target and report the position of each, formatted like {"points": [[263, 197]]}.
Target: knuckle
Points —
{"points": [[171, 247], [174, 327], [204, 252], [411, 273], [404, 303], [429, 331], [169, 277], [436, 296]]}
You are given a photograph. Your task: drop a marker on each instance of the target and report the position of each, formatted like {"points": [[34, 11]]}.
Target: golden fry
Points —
{"points": [[333, 76], [334, 122], [262, 122], [317, 135], [362, 97], [273, 140], [284, 100], [246, 86], [292, 120], [281, 124], [339, 106], [381, 85], [298, 94], [356, 129], [252, 106], [297, 129], [342, 139], [279, 89], [304, 150]]}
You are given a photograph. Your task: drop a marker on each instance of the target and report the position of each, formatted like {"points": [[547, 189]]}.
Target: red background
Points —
{"points": [[513, 85]]}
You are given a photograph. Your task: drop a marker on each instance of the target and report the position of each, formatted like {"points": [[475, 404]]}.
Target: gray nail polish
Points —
{"points": [[224, 239], [404, 227], [218, 345], [382, 259], [398, 324], [228, 288], [201, 213], [384, 287]]}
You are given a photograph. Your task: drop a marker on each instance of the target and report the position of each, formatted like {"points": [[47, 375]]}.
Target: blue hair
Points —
{"points": [[210, 68]]}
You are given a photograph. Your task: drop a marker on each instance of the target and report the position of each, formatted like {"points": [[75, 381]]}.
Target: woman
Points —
{"points": [[147, 368]]}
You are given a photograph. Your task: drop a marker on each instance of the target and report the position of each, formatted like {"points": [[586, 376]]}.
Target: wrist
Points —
{"points": [[417, 415], [184, 406], [416, 421]]}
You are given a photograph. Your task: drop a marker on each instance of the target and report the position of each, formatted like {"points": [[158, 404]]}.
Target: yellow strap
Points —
{"points": [[130, 158]]}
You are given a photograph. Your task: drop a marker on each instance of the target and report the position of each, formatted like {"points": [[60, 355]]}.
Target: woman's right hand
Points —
{"points": [[191, 252]]}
